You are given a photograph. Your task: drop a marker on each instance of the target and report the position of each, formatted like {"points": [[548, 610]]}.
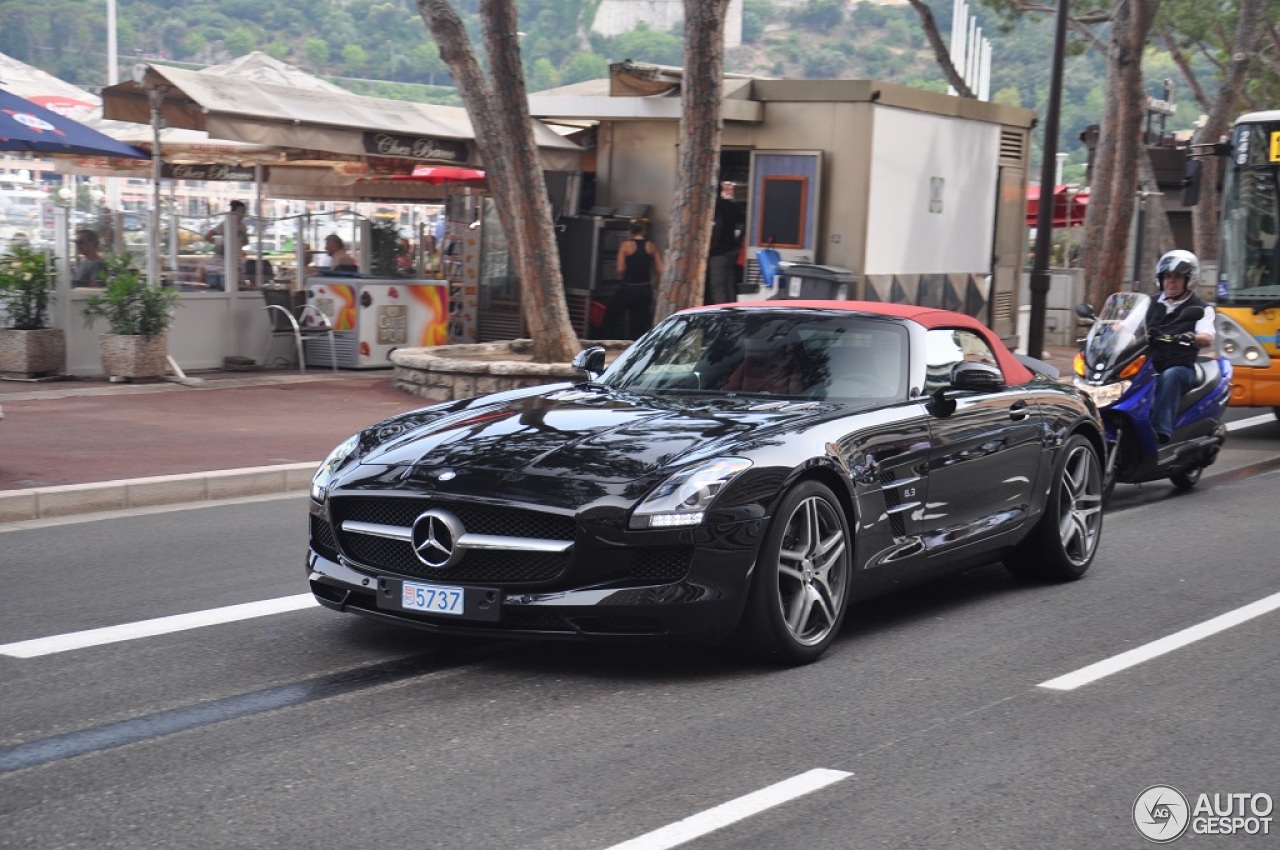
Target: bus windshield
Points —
{"points": [[1249, 262]]}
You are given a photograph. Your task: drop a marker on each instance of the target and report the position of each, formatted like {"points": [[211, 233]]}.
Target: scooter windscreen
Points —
{"points": [[1119, 332]]}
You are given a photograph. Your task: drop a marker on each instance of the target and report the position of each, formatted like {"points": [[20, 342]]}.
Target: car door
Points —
{"points": [[985, 452]]}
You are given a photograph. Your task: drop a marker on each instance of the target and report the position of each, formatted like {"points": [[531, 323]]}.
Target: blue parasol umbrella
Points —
{"points": [[24, 126]]}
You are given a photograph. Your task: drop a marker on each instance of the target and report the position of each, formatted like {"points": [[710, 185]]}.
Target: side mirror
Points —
{"points": [[978, 377], [1194, 314], [973, 377], [1085, 311], [1191, 183], [590, 361]]}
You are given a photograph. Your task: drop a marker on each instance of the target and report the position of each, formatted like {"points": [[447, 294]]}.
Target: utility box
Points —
{"points": [[809, 282]]}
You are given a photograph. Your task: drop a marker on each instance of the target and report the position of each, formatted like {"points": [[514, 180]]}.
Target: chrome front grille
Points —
{"points": [[488, 566], [479, 519], [376, 533]]}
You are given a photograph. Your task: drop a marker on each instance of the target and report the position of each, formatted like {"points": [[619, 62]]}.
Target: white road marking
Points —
{"points": [[159, 626], [733, 811], [1241, 424], [1133, 657]]}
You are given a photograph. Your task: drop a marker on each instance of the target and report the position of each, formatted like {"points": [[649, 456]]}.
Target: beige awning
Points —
{"points": [[284, 116]]}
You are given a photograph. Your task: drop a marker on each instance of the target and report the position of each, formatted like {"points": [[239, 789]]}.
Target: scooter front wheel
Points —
{"points": [[1187, 479]]}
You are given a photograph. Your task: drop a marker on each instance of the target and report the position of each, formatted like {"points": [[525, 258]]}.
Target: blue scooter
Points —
{"points": [[1114, 369]]}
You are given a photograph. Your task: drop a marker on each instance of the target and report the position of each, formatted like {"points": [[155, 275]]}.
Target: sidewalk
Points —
{"points": [[88, 445], [81, 446]]}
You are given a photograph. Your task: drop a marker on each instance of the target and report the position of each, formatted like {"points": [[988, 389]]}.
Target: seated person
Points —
{"points": [[90, 270], [340, 260], [766, 368], [251, 267]]}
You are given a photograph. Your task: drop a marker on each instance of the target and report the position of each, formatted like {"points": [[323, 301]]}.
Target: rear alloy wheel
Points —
{"points": [[1062, 545], [1187, 479], [800, 588]]}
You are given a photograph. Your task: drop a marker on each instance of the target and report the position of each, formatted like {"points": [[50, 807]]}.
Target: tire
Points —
{"points": [[1187, 479], [1063, 543], [800, 586]]}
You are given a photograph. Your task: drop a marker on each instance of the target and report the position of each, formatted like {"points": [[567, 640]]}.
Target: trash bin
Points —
{"points": [[815, 283]]}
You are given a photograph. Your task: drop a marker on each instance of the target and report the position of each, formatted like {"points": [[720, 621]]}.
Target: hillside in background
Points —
{"points": [[383, 48]]}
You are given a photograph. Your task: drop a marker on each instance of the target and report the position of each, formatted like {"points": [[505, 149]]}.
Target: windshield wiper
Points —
{"points": [[1266, 305]]}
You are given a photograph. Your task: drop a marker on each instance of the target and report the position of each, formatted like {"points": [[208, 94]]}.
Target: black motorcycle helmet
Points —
{"points": [[1178, 261]]}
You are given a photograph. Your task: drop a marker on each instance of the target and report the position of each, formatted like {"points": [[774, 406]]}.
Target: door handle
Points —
{"points": [[1019, 411]]}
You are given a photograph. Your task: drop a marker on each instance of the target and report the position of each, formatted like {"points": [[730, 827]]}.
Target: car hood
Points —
{"points": [[592, 433]]}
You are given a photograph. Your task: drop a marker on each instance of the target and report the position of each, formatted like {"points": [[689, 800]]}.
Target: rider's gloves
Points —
{"points": [[1187, 339]]}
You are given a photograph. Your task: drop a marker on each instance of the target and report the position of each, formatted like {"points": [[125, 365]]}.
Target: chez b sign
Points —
{"points": [[415, 147], [216, 171]]}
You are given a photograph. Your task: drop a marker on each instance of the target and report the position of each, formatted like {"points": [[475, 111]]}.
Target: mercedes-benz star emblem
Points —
{"points": [[435, 539]]}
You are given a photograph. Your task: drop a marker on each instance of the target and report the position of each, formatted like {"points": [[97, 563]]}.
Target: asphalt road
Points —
{"points": [[927, 723]]}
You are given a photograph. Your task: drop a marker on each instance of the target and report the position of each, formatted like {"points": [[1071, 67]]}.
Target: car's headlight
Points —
{"points": [[1104, 395], [684, 497], [320, 481]]}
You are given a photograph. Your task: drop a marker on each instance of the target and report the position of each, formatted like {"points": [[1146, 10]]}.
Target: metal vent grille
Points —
{"points": [[1002, 307], [661, 564], [1013, 146], [322, 539]]}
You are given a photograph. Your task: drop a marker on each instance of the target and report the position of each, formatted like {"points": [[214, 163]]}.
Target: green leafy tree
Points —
{"points": [[644, 44], [825, 64], [194, 44], [240, 41], [584, 66], [819, 15], [354, 57], [755, 15], [317, 52], [543, 76]]}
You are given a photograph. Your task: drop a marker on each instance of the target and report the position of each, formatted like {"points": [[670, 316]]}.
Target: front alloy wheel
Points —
{"points": [[800, 589]]}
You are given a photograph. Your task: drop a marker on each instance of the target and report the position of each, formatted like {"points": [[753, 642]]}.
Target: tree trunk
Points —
{"points": [[699, 169], [1204, 216], [940, 51], [504, 137], [1108, 222]]}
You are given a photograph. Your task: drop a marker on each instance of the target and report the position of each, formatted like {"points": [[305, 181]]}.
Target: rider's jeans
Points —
{"points": [[1171, 385]]}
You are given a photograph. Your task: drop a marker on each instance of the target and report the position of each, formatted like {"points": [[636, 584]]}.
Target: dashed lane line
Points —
{"points": [[159, 626], [733, 811], [1134, 657]]}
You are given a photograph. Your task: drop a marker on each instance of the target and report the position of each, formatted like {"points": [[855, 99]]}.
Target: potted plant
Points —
{"points": [[138, 317], [29, 347]]}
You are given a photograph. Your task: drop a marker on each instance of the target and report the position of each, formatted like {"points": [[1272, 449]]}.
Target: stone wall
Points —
{"points": [[447, 372]]}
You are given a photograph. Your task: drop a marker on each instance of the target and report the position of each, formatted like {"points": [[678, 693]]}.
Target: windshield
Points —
{"points": [[1249, 268], [1118, 333], [806, 354]]}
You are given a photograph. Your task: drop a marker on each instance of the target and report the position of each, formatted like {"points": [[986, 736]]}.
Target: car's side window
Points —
{"points": [[945, 347]]}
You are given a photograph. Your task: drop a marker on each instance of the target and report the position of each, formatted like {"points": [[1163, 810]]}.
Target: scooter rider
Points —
{"points": [[1175, 339]]}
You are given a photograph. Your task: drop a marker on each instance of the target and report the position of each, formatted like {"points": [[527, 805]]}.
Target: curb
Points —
{"points": [[70, 499]]}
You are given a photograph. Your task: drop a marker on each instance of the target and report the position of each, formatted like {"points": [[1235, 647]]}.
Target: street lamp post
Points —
{"points": [[1044, 217], [113, 60]]}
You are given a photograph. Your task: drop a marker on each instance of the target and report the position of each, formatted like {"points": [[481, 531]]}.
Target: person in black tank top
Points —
{"points": [[639, 263]]}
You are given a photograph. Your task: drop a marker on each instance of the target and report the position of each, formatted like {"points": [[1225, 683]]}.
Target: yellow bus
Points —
{"points": [[1248, 285]]}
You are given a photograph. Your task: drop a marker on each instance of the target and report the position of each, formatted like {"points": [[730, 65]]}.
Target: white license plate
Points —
{"points": [[431, 598]]}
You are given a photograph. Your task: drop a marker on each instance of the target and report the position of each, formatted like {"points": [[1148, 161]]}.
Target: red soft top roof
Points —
{"points": [[929, 317]]}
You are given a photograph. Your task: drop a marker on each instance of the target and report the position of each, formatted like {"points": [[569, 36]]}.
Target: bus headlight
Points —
{"points": [[1237, 344]]}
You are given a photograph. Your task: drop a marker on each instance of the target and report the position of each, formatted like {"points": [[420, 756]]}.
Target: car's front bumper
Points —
{"points": [[707, 602]]}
